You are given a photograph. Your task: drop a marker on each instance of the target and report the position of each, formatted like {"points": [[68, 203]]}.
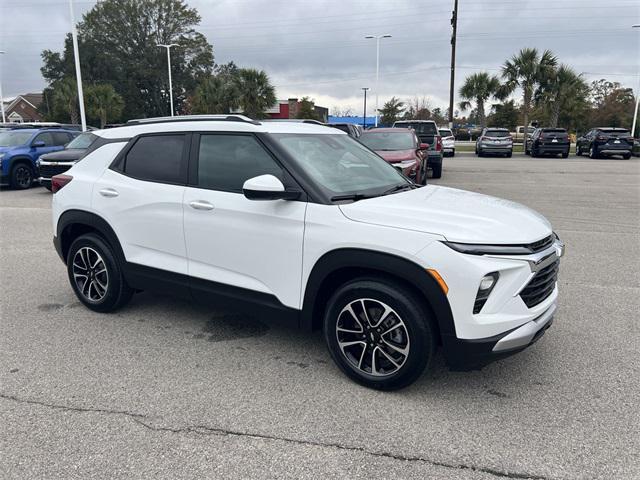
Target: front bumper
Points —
{"points": [[463, 355]]}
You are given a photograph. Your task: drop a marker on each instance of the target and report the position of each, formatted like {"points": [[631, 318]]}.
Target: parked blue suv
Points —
{"points": [[20, 148]]}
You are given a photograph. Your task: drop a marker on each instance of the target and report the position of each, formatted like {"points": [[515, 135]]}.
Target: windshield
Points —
{"points": [[496, 133], [82, 141], [445, 133], [12, 138], [381, 141], [421, 128], [340, 164]]}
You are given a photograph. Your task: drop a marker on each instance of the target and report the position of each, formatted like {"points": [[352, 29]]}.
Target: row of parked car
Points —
{"points": [[598, 142]]}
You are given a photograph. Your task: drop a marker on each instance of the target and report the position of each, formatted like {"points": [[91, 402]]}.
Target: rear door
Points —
{"points": [[234, 244], [141, 197]]}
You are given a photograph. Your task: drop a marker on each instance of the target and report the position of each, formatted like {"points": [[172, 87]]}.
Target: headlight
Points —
{"points": [[475, 249]]}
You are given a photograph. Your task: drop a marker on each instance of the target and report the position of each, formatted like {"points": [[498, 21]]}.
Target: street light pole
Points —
{"points": [[377, 37], [635, 112], [76, 57], [168, 47], [1, 97], [364, 117]]}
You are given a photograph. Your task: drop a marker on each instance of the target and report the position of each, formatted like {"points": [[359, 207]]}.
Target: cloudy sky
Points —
{"points": [[317, 47]]}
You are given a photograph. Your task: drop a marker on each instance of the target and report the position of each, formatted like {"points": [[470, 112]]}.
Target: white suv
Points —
{"points": [[301, 223]]}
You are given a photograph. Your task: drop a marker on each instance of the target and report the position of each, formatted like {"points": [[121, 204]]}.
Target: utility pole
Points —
{"points": [[1, 97], [364, 116], [454, 25], [76, 57], [635, 112], [168, 47]]}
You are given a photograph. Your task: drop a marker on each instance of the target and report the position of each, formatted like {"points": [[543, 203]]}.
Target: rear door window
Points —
{"points": [[158, 158]]}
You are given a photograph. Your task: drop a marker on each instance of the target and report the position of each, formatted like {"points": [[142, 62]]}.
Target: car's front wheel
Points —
{"points": [[378, 333], [21, 176], [95, 275]]}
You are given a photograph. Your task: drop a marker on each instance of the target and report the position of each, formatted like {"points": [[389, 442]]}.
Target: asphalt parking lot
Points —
{"points": [[168, 389]]}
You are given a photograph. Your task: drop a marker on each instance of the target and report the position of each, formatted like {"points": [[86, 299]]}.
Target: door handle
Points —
{"points": [[201, 205], [108, 192]]}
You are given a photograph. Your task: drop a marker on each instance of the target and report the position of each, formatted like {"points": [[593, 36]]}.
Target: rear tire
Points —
{"points": [[453, 152], [626, 156], [509, 155], [578, 151], [379, 333], [593, 152], [437, 171], [565, 155], [21, 176], [95, 274]]}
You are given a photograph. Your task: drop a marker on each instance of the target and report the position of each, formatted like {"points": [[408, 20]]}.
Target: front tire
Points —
{"points": [[95, 274], [593, 152], [379, 333], [578, 151], [21, 176]]}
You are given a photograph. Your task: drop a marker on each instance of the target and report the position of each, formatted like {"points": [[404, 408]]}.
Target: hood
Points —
{"points": [[6, 149], [68, 155], [458, 215], [392, 156]]}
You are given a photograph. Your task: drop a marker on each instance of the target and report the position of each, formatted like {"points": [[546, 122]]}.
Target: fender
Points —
{"points": [[20, 158], [352, 260], [82, 219]]}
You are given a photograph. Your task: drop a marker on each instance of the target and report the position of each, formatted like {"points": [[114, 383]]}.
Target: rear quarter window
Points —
{"points": [[157, 158]]}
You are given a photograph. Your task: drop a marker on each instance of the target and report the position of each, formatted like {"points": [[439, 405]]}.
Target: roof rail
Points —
{"points": [[194, 118]]}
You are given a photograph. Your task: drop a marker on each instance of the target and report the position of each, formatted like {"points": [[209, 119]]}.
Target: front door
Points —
{"points": [[241, 246]]}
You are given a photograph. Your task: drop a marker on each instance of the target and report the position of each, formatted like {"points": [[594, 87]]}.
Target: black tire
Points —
{"points": [[479, 153], [436, 170], [509, 155], [565, 155], [626, 156], [453, 152], [534, 152], [48, 187], [116, 294], [416, 333], [578, 151], [423, 173], [21, 176], [593, 152]]}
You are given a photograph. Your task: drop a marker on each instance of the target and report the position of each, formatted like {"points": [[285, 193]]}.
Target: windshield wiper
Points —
{"points": [[350, 196], [397, 188]]}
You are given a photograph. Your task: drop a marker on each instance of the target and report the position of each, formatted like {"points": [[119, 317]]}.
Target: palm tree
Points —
{"points": [[104, 102], [66, 95], [526, 70], [216, 94], [560, 90], [256, 92], [479, 87]]}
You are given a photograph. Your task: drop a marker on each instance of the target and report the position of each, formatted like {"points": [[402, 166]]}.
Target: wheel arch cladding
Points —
{"points": [[19, 159], [74, 223], [339, 266]]}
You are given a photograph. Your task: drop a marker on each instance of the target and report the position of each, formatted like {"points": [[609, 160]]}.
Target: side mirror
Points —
{"points": [[38, 144], [424, 146], [267, 187]]}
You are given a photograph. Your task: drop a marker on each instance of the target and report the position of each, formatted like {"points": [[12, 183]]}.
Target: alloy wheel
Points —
{"points": [[372, 337], [90, 274], [23, 176]]}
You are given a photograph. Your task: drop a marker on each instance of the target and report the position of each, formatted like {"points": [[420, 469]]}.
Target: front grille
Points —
{"points": [[48, 171], [541, 285], [541, 244]]}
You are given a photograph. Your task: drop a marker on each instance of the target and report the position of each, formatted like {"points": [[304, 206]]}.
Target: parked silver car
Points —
{"points": [[494, 141]]}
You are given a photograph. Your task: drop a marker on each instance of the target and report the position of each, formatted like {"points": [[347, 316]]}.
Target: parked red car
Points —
{"points": [[401, 148]]}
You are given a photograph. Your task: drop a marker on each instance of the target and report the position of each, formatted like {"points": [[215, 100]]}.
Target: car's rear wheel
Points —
{"points": [[437, 170], [95, 275], [626, 156], [593, 152], [510, 154], [565, 155], [578, 151], [21, 176], [378, 333]]}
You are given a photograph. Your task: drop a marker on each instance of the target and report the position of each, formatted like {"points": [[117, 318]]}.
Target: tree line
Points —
{"points": [[125, 73], [552, 94]]}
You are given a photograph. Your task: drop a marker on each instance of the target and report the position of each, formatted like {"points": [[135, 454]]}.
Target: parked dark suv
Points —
{"points": [[427, 131], [545, 141], [605, 141], [59, 162]]}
